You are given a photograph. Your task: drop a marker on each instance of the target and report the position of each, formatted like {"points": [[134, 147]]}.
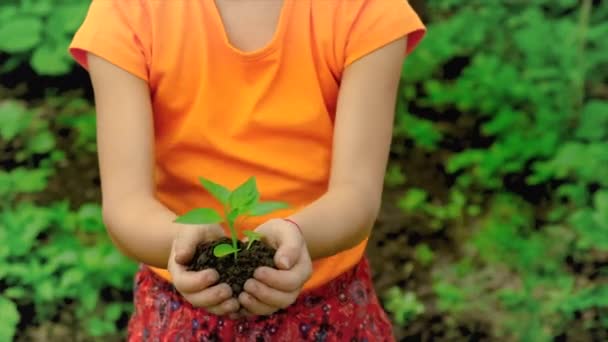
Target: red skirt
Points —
{"points": [[346, 309]]}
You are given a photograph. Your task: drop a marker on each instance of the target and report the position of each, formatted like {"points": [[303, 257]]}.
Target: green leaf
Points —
{"points": [[37, 7], [90, 218], [14, 119], [98, 327], [29, 181], [223, 250], [263, 208], [41, 143], [15, 293], [11, 63], [404, 306], [10, 318], [20, 33], [52, 58], [424, 254], [252, 237], [200, 216], [245, 195], [68, 16], [221, 193], [594, 121], [46, 291], [413, 199], [232, 216], [89, 298], [72, 277], [601, 213], [113, 311]]}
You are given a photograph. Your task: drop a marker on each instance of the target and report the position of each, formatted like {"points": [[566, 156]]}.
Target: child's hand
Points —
{"points": [[197, 287], [273, 289]]}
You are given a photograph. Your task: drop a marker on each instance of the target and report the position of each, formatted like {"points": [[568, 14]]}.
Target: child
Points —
{"points": [[299, 94]]}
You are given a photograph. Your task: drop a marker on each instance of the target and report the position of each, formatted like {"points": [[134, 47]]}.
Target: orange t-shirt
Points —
{"points": [[227, 115]]}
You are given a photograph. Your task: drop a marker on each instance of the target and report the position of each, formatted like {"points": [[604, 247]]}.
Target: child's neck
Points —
{"points": [[250, 24]]}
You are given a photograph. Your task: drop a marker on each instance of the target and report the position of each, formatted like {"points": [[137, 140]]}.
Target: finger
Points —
{"points": [[188, 239], [228, 307], [289, 242], [288, 253], [270, 296], [185, 243], [254, 306], [286, 281], [243, 313], [212, 296], [187, 282]]}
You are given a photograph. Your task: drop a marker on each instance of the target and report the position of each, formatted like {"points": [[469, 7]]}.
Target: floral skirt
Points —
{"points": [[345, 309]]}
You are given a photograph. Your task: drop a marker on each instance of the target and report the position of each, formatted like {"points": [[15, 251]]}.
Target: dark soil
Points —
{"points": [[233, 272]]}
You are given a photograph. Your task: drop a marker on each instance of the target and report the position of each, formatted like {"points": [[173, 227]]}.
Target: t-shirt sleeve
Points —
{"points": [[117, 31], [368, 25]]}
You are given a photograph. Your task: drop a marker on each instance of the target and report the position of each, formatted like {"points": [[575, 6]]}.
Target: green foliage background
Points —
{"points": [[509, 97]]}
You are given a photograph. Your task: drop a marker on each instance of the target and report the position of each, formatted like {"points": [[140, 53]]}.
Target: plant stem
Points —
{"points": [[233, 237]]}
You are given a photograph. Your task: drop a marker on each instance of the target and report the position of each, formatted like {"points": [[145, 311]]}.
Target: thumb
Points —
{"points": [[289, 251], [188, 238], [185, 243]]}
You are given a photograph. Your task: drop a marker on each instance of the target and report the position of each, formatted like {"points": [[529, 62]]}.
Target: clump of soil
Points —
{"points": [[233, 272]]}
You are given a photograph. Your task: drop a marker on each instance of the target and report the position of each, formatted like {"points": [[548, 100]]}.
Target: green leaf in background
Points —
{"points": [[596, 296], [72, 277], [89, 298], [422, 131], [10, 318], [451, 298], [263, 208], [98, 327], [594, 121], [90, 218], [7, 13], [394, 176], [52, 58], [413, 199], [21, 180], [404, 305], [11, 63], [15, 293], [245, 195], [20, 33], [223, 250], [218, 191], [424, 254], [600, 215], [41, 143], [67, 17], [113, 312], [200, 216], [37, 7], [14, 119]]}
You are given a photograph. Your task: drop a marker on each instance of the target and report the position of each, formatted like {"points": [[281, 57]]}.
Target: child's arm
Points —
{"points": [[344, 216], [140, 226]]}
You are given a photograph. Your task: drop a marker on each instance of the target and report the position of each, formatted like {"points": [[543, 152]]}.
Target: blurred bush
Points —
{"points": [[56, 258], [38, 32], [512, 95]]}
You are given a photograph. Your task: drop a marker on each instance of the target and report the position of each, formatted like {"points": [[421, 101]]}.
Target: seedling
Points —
{"points": [[242, 202]]}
